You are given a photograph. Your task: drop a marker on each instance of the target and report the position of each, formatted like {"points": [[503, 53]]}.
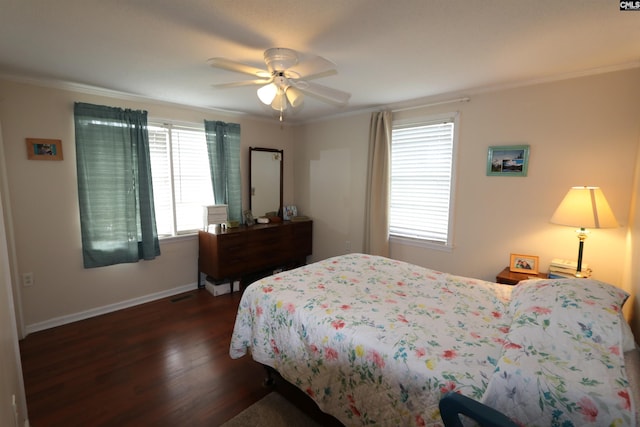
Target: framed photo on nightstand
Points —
{"points": [[527, 264]]}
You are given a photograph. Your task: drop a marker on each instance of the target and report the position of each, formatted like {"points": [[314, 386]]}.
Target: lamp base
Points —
{"points": [[582, 235]]}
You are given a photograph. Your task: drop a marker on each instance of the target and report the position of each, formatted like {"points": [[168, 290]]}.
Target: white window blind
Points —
{"points": [[161, 174], [181, 177], [421, 180]]}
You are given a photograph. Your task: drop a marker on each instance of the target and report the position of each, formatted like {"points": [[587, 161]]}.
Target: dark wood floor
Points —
{"points": [[164, 363]]}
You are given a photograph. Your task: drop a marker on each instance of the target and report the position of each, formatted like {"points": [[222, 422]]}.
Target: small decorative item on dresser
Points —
{"points": [[214, 214], [273, 217], [527, 264], [289, 212], [248, 218]]}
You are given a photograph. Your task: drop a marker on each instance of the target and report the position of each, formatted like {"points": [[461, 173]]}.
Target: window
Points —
{"points": [[422, 154], [181, 177]]}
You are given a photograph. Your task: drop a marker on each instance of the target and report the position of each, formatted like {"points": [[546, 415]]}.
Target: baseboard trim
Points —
{"points": [[63, 320]]}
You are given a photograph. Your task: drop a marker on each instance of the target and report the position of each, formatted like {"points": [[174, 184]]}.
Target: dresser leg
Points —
{"points": [[201, 280]]}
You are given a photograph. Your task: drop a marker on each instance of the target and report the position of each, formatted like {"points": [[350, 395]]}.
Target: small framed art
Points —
{"points": [[508, 160], [44, 149], [248, 218], [289, 212], [527, 264]]}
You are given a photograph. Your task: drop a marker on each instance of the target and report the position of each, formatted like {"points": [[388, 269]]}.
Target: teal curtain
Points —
{"points": [[115, 191], [223, 146]]}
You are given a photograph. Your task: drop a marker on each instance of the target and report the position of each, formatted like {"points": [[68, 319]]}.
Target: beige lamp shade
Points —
{"points": [[585, 207]]}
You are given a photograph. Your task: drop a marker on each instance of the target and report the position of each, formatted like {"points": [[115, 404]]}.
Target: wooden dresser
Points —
{"points": [[237, 252]]}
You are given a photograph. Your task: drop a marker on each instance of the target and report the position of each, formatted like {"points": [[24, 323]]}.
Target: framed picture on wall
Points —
{"points": [[44, 149], [508, 160], [527, 264]]}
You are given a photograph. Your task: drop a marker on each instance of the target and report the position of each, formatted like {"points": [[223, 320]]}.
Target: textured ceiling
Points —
{"points": [[386, 52]]}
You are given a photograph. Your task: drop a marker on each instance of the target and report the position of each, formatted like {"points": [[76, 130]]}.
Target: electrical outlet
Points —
{"points": [[347, 246], [27, 279]]}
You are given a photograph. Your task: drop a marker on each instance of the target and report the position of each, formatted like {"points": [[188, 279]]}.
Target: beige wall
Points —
{"points": [[11, 383], [632, 259], [43, 202], [582, 131], [331, 171]]}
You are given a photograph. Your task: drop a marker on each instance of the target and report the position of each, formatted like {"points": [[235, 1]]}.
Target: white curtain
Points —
{"points": [[376, 233]]}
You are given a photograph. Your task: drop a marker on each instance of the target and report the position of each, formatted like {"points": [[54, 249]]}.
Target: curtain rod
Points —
{"points": [[450, 101]]}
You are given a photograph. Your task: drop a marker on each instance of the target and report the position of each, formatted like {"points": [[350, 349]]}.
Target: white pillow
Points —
{"points": [[562, 362]]}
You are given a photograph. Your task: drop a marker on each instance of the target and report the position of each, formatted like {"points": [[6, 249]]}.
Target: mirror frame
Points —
{"points": [[271, 150]]}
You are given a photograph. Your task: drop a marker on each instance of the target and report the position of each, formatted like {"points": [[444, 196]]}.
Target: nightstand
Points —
{"points": [[507, 277]]}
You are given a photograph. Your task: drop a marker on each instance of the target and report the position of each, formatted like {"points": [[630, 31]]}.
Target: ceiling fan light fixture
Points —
{"points": [[280, 58], [267, 93], [294, 96], [280, 101], [285, 82]]}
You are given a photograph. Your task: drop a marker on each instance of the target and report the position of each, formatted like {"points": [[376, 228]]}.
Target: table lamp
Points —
{"points": [[584, 207]]}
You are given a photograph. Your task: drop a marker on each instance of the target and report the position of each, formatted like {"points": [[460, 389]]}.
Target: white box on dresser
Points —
{"points": [[214, 214]]}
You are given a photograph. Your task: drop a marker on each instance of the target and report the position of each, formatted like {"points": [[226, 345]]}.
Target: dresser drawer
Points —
{"points": [[267, 238], [232, 242], [302, 238], [269, 246], [232, 253]]}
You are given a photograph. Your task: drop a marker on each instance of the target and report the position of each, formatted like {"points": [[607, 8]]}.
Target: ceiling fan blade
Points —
{"points": [[314, 76], [323, 93], [256, 82], [227, 64], [312, 68]]}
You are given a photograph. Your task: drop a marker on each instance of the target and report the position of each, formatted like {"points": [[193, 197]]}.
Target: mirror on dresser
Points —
{"points": [[265, 180]]}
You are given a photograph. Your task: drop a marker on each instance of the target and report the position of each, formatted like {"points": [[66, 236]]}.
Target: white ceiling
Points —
{"points": [[387, 52]]}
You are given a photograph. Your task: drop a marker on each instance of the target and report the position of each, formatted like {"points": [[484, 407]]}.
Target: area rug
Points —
{"points": [[273, 410]]}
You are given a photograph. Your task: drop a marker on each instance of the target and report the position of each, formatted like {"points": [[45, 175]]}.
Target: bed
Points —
{"points": [[376, 341]]}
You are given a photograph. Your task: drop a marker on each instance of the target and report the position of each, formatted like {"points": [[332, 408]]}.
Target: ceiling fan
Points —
{"points": [[286, 79]]}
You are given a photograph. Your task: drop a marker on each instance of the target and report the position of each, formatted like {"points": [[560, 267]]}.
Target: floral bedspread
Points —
{"points": [[374, 340]]}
